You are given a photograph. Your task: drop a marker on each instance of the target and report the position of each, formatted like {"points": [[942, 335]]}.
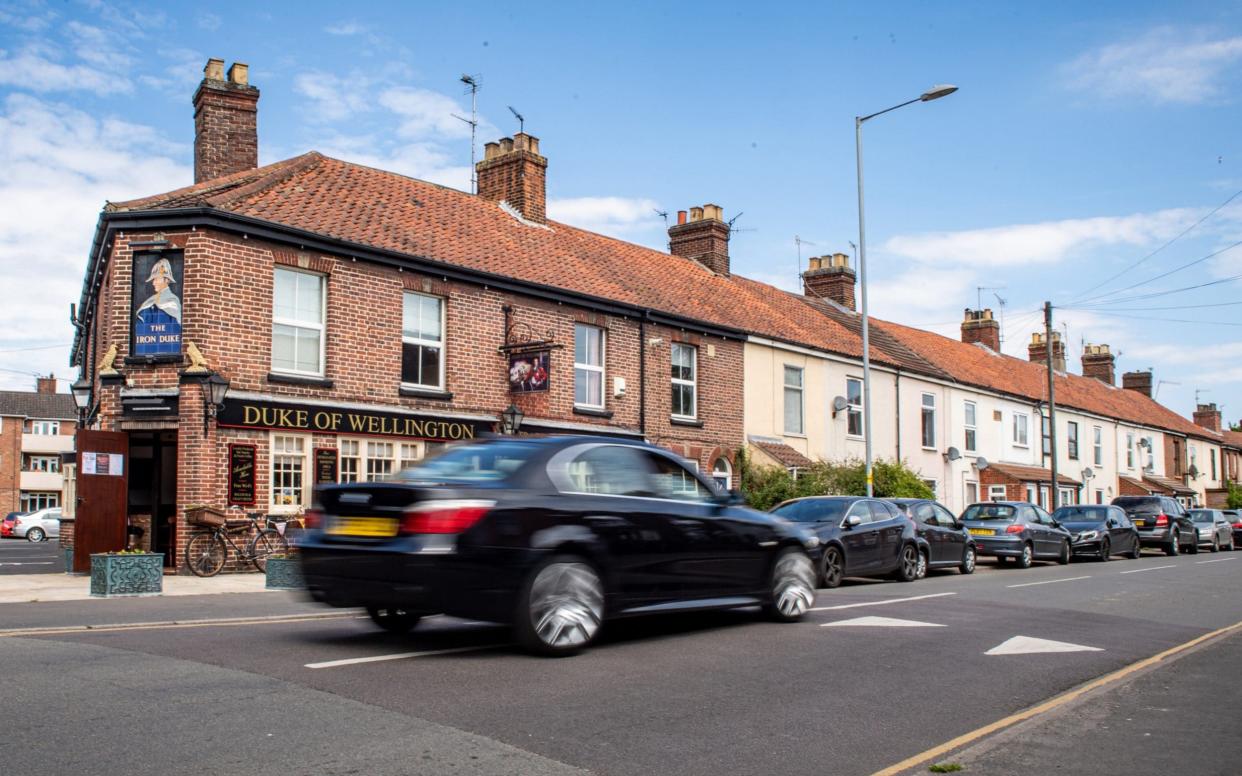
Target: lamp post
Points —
{"points": [[934, 93], [511, 420], [215, 387], [82, 390]]}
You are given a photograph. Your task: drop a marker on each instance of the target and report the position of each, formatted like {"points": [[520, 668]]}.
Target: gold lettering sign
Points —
{"points": [[241, 413]]}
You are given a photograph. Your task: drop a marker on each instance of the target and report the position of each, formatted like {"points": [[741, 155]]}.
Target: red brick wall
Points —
{"points": [[10, 464], [226, 138], [1015, 490]]}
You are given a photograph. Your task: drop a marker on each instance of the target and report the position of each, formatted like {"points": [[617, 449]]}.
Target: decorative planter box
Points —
{"points": [[284, 574], [68, 560], [127, 575]]}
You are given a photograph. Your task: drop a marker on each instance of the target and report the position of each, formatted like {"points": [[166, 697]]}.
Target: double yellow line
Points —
{"points": [[1050, 704]]}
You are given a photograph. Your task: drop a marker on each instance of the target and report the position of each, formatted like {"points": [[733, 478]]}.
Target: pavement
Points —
{"points": [[22, 588], [880, 672]]}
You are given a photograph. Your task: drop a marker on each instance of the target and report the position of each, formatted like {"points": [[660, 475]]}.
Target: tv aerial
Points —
{"points": [[472, 88], [519, 117]]}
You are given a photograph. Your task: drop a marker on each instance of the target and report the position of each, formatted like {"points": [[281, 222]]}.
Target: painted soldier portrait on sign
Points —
{"points": [[157, 308]]}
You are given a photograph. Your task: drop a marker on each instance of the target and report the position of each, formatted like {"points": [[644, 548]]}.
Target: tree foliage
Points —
{"points": [[1234, 499], [767, 486]]}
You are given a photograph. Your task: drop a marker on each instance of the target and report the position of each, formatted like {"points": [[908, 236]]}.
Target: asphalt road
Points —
{"points": [[706, 694], [18, 556]]}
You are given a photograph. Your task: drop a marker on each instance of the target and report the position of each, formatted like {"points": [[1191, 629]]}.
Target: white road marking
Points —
{"points": [[879, 603], [1218, 560], [52, 563], [880, 622], [1050, 581], [1027, 645], [398, 656], [1153, 568]]}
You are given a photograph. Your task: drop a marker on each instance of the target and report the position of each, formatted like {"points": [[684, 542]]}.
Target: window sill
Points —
{"points": [[854, 438], [927, 449], [795, 436], [316, 382], [424, 393], [592, 412], [691, 422]]}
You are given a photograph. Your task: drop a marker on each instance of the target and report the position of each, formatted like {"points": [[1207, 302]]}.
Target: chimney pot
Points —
{"points": [[713, 213], [226, 136], [506, 145], [491, 150], [214, 71], [1037, 351], [681, 216], [696, 214], [239, 73]]}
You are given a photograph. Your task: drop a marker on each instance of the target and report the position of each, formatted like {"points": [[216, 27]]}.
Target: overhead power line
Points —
{"points": [[1170, 320], [1162, 275], [1156, 294]]}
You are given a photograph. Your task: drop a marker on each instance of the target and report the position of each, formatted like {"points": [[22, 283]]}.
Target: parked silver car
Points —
{"points": [[1214, 529], [38, 526]]}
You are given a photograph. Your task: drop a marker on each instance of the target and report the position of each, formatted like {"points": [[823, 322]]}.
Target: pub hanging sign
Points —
{"points": [[282, 416], [156, 304]]}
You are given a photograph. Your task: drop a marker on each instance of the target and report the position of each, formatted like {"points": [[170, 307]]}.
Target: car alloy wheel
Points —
{"points": [[834, 568], [968, 561], [394, 620], [35, 535], [1064, 557], [1175, 546], [908, 564], [922, 567], [1106, 549], [1028, 555], [565, 606], [1215, 544], [793, 586], [1136, 551]]}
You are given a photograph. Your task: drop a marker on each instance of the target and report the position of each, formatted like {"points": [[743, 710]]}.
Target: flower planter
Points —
{"points": [[68, 560], [284, 574], [130, 574]]}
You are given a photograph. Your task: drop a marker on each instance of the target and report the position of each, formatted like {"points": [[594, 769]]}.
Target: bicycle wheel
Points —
{"points": [[267, 543], [205, 554]]}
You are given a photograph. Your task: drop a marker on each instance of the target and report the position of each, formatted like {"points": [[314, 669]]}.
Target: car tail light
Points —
{"points": [[312, 518], [1013, 529], [444, 517], [16, 522], [1162, 519], [1238, 524]]}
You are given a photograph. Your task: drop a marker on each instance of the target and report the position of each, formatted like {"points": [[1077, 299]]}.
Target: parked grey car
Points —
{"points": [[38, 526], [1017, 529], [1215, 530]]}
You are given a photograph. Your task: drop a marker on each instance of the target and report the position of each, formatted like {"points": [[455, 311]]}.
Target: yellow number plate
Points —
{"points": [[983, 532], [362, 526]]}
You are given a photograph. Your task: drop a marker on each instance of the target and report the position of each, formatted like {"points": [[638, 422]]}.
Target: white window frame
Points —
{"points": [[1068, 496], [1129, 449], [934, 485], [598, 368], [1073, 442], [43, 499], [45, 427], [925, 424], [306, 485], [1025, 442], [51, 463], [723, 477], [321, 327], [1212, 457], [693, 382], [800, 388], [353, 451], [854, 410], [373, 449], [362, 451], [997, 493], [1097, 445], [970, 421], [966, 491], [1032, 493], [423, 342]]}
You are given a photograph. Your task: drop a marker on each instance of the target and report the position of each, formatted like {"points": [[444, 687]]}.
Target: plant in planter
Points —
{"points": [[284, 572], [127, 573]]}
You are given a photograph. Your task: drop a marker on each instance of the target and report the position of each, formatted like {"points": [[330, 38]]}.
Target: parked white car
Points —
{"points": [[38, 526]]}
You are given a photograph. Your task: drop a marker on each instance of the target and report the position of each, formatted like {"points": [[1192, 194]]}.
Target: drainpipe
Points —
{"points": [[897, 388], [642, 373]]}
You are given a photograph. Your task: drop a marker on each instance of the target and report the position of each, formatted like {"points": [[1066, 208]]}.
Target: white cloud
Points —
{"points": [[333, 98], [35, 68], [424, 112], [1164, 65], [1041, 243], [208, 21], [345, 28], [623, 217], [58, 165], [425, 161]]}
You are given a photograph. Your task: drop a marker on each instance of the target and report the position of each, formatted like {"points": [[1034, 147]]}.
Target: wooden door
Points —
{"points": [[103, 490]]}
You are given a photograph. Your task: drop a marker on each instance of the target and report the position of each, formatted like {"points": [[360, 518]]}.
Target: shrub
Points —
{"points": [[767, 486]]}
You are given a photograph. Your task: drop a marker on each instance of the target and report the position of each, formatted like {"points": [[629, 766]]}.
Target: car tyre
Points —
{"points": [[561, 607], [35, 535], [1137, 551], [924, 565], [1064, 557], [1174, 546], [1106, 549], [969, 559], [833, 568], [791, 590], [1028, 555], [1215, 544], [394, 620], [1193, 547], [907, 564]]}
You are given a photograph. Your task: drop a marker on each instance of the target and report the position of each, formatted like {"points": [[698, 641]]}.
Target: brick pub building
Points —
{"points": [[361, 319]]}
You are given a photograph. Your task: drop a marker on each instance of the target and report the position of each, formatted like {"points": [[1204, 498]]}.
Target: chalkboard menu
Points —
{"points": [[325, 465], [241, 475]]}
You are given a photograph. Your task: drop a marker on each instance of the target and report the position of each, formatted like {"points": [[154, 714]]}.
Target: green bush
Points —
{"points": [[1234, 499], [767, 486]]}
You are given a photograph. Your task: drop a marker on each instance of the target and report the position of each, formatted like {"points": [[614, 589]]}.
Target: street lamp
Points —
{"points": [[214, 389], [511, 420], [934, 93], [82, 398]]}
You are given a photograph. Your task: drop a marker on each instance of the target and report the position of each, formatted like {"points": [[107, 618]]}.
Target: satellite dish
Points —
{"points": [[839, 404], [981, 463], [1144, 443], [1194, 471], [1088, 473], [953, 454]]}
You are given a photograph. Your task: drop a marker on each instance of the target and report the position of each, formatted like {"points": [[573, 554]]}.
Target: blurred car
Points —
{"points": [[858, 537], [555, 535], [38, 526], [1100, 530], [949, 543], [1214, 529], [1161, 522], [1017, 529], [1234, 516], [6, 525]]}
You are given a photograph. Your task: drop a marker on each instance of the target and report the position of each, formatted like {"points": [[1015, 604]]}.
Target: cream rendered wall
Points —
{"points": [[1202, 451]]}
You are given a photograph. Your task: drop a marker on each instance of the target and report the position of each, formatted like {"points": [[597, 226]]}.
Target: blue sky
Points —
{"points": [[1084, 137]]}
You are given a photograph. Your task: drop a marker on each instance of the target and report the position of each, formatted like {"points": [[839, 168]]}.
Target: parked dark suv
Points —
{"points": [[949, 543], [1162, 522], [1019, 530], [859, 537]]}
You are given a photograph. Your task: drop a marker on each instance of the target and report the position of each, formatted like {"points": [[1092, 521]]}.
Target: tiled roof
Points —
{"points": [[1140, 484], [1032, 473], [1168, 485], [1232, 438], [43, 406], [781, 453]]}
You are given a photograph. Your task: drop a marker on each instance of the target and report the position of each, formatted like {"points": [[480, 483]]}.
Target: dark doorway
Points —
{"points": [[153, 492]]}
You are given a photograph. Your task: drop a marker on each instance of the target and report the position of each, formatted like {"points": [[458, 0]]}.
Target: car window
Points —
{"points": [[943, 516], [1028, 515], [1139, 505], [862, 509], [473, 462], [925, 514], [612, 470], [1005, 512], [882, 510], [813, 510], [672, 480], [1120, 516], [1202, 516]]}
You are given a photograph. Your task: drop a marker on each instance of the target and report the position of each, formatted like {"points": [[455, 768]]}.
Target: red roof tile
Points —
{"points": [[1032, 473]]}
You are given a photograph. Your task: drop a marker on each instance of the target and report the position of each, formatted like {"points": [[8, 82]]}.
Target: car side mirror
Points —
{"points": [[852, 521]]}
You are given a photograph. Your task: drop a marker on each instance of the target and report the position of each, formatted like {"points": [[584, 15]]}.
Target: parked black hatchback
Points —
{"points": [[948, 542], [1100, 530], [555, 535], [859, 537]]}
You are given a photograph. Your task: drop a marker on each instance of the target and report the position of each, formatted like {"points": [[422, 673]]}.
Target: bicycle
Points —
{"points": [[207, 551]]}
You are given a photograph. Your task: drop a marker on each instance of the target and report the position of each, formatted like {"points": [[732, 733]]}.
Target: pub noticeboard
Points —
{"points": [[241, 474], [325, 465]]}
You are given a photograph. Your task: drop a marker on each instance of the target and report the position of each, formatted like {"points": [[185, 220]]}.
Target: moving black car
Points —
{"points": [[1017, 529], [1162, 522], [858, 537], [555, 535], [1100, 530], [948, 542]]}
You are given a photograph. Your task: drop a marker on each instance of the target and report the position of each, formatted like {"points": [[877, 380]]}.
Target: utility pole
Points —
{"points": [[1055, 498]]}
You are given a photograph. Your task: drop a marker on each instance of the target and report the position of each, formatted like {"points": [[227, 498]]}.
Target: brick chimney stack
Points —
{"points": [[979, 326], [1208, 416], [48, 385], [1137, 381], [512, 171], [1037, 351], [226, 135], [830, 277], [1098, 362], [704, 237]]}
